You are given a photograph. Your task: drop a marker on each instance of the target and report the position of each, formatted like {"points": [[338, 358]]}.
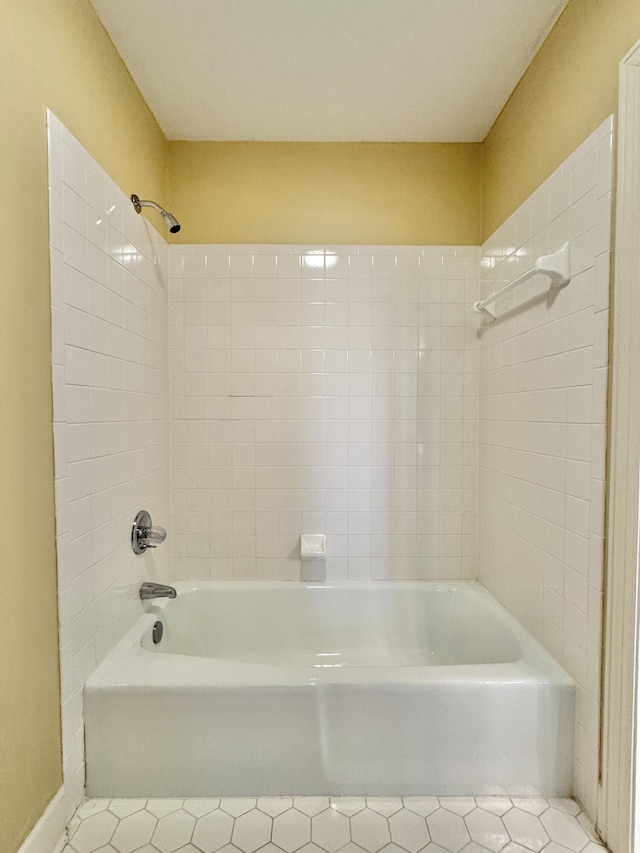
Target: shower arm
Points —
{"points": [[170, 221], [139, 203]]}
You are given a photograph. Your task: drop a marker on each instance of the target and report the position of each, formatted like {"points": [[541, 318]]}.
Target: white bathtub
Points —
{"points": [[284, 688]]}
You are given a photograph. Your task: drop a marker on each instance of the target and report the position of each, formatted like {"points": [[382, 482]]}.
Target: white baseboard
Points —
{"points": [[49, 834]]}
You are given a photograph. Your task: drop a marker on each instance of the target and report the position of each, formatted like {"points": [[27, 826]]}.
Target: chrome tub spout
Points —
{"points": [[156, 590]]}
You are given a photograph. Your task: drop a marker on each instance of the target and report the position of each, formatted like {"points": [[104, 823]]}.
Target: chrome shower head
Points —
{"points": [[170, 221]]}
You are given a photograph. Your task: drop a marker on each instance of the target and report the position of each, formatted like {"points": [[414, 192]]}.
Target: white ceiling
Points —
{"points": [[327, 70]]}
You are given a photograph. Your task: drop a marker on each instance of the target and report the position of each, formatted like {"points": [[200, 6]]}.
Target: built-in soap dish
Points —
{"points": [[313, 546]]}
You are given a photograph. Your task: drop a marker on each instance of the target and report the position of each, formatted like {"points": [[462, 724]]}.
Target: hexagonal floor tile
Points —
{"points": [[495, 805], [235, 806], [94, 832], [91, 807], [330, 830], [512, 847], [161, 807], [200, 806], [534, 805], [213, 831], [134, 831], [348, 805], [525, 829], [564, 829], [73, 824], [586, 824], [421, 805], [458, 805], [308, 848], [565, 805], [370, 830], [291, 830], [274, 806], [487, 830], [375, 825], [552, 847], [173, 831], [352, 848], [251, 831], [386, 806], [149, 849], [311, 805], [448, 830], [409, 830], [109, 849], [124, 808]]}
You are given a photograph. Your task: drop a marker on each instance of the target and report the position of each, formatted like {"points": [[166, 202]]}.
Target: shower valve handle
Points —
{"points": [[144, 535]]}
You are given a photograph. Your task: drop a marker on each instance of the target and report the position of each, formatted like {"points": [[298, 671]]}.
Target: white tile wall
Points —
{"points": [[323, 390], [543, 386], [111, 410]]}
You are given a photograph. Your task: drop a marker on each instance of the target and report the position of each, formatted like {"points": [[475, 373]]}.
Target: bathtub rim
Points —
{"points": [[131, 667]]}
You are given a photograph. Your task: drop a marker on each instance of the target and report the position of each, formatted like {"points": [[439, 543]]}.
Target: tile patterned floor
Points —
{"points": [[332, 824]]}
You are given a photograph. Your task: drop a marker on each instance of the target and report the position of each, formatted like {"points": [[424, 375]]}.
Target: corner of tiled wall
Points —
{"points": [[111, 416], [543, 397]]}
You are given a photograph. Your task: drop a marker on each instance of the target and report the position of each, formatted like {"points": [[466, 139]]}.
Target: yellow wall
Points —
{"points": [[53, 53], [412, 193], [568, 90], [287, 192]]}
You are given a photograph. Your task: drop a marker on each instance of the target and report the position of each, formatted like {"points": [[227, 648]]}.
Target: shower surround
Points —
{"points": [[335, 390]]}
